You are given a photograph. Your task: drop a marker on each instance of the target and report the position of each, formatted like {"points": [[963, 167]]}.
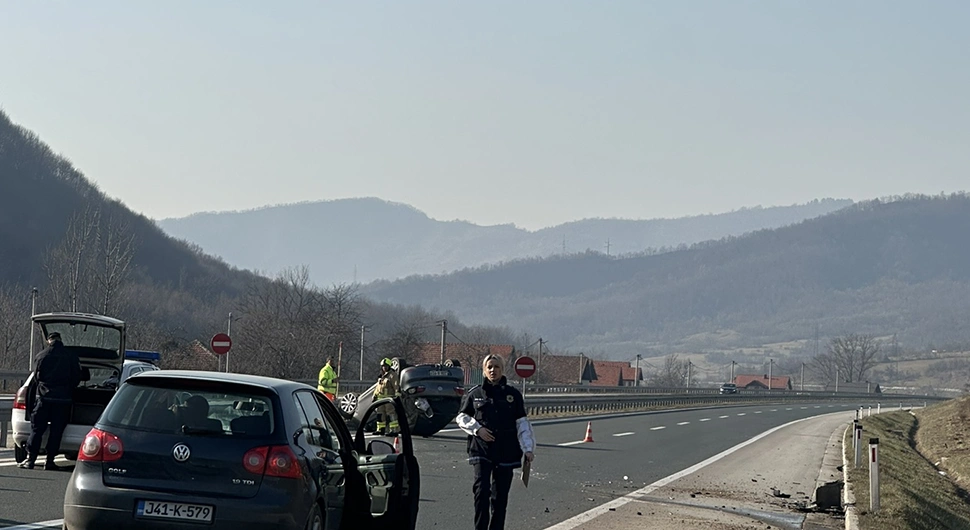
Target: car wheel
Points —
{"points": [[315, 521], [452, 363], [71, 456], [19, 453], [348, 404], [398, 364]]}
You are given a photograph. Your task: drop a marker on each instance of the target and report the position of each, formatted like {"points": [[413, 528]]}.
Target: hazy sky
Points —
{"points": [[531, 113]]}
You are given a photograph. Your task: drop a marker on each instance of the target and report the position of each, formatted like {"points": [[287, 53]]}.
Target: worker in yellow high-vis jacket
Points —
{"points": [[387, 386], [327, 380]]}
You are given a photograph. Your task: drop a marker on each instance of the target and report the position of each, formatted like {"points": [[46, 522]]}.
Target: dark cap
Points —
{"points": [[54, 336]]}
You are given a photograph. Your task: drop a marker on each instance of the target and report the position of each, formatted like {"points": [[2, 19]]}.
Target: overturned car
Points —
{"points": [[431, 394]]}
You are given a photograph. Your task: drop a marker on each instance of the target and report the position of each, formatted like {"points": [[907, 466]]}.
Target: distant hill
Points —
{"points": [[43, 191], [878, 267], [367, 239]]}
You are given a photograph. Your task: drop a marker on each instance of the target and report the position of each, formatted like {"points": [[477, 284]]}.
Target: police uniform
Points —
{"points": [[499, 408]]}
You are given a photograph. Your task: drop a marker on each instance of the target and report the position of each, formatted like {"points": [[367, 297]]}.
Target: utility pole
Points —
{"points": [[607, 247], [580, 380], [636, 374], [802, 386], [228, 332], [563, 245], [771, 363], [362, 328], [539, 360], [33, 311], [836, 380], [689, 365], [444, 330], [732, 370]]}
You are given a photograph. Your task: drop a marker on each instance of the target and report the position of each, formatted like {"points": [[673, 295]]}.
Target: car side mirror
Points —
{"points": [[379, 447]]}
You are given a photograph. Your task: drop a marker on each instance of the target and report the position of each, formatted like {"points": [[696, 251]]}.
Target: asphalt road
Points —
{"points": [[568, 478]]}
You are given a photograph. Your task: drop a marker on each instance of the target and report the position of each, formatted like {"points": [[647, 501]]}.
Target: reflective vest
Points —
{"points": [[326, 382]]}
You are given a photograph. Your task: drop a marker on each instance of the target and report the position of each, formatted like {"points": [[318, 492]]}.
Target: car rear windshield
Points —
{"points": [[191, 411]]}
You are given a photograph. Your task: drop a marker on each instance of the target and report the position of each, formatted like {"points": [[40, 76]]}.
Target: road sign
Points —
{"points": [[220, 343], [525, 367]]}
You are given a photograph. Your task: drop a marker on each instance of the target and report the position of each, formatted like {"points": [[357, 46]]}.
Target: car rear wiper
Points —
{"points": [[198, 430]]}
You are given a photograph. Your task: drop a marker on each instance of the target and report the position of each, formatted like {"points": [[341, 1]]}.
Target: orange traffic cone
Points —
{"points": [[589, 432], [397, 444]]}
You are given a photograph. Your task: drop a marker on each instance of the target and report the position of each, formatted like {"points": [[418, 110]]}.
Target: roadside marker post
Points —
{"points": [[857, 444], [870, 411], [878, 408], [873, 474]]}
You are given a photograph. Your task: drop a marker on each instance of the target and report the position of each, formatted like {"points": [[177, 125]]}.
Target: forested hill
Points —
{"points": [[901, 266], [367, 239], [43, 193]]}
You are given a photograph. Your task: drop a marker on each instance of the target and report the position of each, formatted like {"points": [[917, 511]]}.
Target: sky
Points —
{"points": [[532, 113]]}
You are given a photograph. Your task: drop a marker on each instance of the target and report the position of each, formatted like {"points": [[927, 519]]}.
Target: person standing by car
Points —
{"points": [[387, 387], [327, 380], [58, 372], [499, 435]]}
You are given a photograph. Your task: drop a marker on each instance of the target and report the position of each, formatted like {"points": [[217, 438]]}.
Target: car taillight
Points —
{"points": [[273, 461], [416, 390], [101, 446], [255, 460], [20, 399], [460, 390]]}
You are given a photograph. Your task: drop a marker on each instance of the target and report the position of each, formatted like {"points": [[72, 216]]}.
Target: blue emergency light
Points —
{"points": [[141, 355]]}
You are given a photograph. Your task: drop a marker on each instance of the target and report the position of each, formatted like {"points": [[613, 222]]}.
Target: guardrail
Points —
{"points": [[6, 405]]}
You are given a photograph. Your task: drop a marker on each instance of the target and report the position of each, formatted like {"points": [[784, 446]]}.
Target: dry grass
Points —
{"points": [[913, 495], [944, 438]]}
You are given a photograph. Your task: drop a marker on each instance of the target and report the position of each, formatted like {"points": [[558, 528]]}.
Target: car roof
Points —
{"points": [[279, 385]]}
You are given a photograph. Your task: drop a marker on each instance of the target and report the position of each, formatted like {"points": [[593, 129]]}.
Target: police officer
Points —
{"points": [[387, 387], [327, 380], [499, 435], [58, 372]]}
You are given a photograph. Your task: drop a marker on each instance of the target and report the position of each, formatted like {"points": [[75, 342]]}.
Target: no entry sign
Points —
{"points": [[525, 367], [220, 343]]}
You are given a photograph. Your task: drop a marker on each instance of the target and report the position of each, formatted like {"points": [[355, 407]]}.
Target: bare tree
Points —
{"points": [[848, 359], [89, 268], [114, 251], [67, 264], [672, 374], [14, 329]]}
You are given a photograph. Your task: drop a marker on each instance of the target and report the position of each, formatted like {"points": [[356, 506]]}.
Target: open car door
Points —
{"points": [[392, 478]]}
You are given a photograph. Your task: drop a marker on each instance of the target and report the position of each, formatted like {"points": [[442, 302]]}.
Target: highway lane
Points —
{"points": [[568, 477]]}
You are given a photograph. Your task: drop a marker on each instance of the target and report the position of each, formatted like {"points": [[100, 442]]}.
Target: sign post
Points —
{"points": [[220, 345], [873, 474], [525, 367]]}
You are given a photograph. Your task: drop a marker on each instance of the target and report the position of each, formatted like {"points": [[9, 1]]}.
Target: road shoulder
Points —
{"points": [[768, 481]]}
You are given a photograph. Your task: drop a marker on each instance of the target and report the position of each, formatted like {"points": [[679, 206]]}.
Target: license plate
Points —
{"points": [[444, 373], [174, 510]]}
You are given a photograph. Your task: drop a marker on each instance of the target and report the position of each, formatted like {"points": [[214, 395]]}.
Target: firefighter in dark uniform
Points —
{"points": [[57, 373], [499, 435]]}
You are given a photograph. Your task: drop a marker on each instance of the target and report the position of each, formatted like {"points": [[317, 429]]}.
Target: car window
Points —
{"points": [[171, 410], [319, 431]]}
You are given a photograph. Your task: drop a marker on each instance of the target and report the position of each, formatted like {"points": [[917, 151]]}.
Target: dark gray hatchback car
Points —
{"points": [[193, 450]]}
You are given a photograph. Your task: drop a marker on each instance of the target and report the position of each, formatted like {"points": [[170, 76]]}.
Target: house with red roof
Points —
{"points": [[762, 382]]}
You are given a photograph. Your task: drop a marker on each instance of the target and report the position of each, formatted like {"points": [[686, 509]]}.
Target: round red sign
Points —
{"points": [[525, 367], [220, 343]]}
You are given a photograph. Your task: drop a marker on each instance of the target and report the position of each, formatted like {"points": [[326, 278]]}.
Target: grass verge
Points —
{"points": [[913, 494]]}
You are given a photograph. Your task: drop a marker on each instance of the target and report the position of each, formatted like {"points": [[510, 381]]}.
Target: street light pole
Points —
{"points": [[33, 311], [362, 352]]}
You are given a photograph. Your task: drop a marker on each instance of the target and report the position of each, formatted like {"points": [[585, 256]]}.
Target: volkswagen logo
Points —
{"points": [[181, 452]]}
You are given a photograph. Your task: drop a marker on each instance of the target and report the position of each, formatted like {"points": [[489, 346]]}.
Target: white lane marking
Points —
{"points": [[57, 523], [683, 423], [789, 408], [40, 464], [818, 407], [561, 445], [722, 417], [705, 419], [803, 408], [589, 515], [742, 414], [774, 410], [657, 428], [623, 434], [757, 412]]}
